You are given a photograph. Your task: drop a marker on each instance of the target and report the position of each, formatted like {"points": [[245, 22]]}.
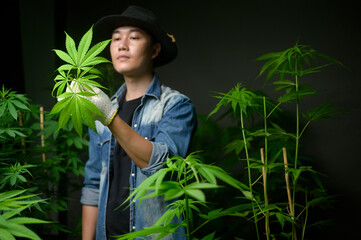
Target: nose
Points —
{"points": [[123, 45]]}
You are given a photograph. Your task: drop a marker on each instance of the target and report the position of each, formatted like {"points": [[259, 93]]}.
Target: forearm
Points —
{"points": [[138, 148], [89, 222]]}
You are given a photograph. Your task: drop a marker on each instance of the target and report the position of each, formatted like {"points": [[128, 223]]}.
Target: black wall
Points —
{"points": [[218, 41]]}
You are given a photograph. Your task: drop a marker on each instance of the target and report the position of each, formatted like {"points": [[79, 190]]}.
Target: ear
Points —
{"points": [[156, 50]]}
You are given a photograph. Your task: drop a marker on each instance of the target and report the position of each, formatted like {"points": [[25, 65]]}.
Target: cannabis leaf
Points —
{"points": [[11, 102], [74, 81], [12, 224]]}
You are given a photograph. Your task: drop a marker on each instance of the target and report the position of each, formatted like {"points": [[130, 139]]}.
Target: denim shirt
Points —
{"points": [[168, 120]]}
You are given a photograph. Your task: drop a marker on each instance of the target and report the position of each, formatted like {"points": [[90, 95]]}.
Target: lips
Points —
{"points": [[123, 57]]}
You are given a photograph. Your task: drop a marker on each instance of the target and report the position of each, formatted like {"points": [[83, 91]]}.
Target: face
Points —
{"points": [[132, 52]]}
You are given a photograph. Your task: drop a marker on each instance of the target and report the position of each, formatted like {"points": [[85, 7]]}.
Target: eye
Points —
{"points": [[134, 37]]}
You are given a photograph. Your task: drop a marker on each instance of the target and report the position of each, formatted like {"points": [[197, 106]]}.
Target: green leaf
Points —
{"points": [[84, 45], [321, 112], [12, 110], [64, 56], [59, 106], [196, 193], [71, 49], [225, 177], [10, 194], [280, 219], [76, 117], [21, 231], [65, 113], [19, 105], [94, 51], [293, 95], [26, 220], [5, 235]]}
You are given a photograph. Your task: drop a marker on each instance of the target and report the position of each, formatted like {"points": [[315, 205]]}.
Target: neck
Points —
{"points": [[137, 86]]}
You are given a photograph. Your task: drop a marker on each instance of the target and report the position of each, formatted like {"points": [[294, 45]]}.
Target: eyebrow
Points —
{"points": [[130, 30]]}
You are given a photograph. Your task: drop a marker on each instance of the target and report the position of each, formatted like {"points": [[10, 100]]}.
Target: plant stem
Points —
{"points": [[294, 236], [287, 182], [264, 173], [249, 174], [187, 206], [264, 159], [306, 217]]}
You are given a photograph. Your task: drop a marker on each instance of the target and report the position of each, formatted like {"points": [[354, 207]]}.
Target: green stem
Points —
{"points": [[249, 174], [187, 207], [273, 109], [265, 168], [304, 128], [200, 226], [306, 217], [294, 236]]}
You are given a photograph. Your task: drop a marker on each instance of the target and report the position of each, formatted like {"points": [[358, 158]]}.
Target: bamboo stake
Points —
{"points": [[42, 129], [288, 188], [265, 193], [22, 139]]}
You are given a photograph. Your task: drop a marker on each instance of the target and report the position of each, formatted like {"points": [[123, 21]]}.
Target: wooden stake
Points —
{"points": [[288, 189], [42, 129], [287, 181], [22, 139], [265, 190]]}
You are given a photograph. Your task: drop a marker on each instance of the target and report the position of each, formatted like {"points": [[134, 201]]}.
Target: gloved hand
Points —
{"points": [[100, 100]]}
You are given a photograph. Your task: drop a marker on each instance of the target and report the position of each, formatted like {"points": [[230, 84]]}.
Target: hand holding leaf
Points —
{"points": [[76, 78]]}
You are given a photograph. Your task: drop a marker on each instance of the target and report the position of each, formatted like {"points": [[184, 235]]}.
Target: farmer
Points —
{"points": [[145, 122]]}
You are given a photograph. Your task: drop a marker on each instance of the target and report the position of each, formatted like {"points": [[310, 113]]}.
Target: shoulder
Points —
{"points": [[170, 97]]}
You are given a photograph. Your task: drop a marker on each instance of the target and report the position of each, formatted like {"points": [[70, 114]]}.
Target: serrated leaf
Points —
{"points": [[59, 106], [84, 45], [26, 220], [196, 194], [71, 48], [65, 113], [94, 51], [65, 67], [22, 231], [12, 110], [321, 112], [76, 117], [64, 56], [5, 235], [19, 104]]}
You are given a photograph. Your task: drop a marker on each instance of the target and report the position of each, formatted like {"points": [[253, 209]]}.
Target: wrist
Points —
{"points": [[110, 121]]}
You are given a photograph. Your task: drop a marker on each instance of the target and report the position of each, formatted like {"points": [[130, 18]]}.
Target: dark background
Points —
{"points": [[218, 42]]}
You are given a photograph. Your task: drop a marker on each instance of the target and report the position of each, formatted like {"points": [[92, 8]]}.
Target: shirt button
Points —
{"points": [[135, 125], [146, 138], [133, 174], [133, 227]]}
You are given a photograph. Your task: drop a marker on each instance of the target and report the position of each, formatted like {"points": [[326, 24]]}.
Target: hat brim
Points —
{"points": [[103, 29]]}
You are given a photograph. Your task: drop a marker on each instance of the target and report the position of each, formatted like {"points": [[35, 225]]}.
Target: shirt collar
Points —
{"points": [[154, 90]]}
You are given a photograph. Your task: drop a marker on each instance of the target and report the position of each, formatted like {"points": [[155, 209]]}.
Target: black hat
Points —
{"points": [[144, 19]]}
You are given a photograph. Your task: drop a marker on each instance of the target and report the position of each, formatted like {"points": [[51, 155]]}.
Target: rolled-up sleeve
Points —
{"points": [[174, 133], [93, 167]]}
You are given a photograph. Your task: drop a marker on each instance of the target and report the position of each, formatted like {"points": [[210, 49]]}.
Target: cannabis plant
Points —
{"points": [[271, 153], [12, 223], [75, 80], [185, 181], [17, 196]]}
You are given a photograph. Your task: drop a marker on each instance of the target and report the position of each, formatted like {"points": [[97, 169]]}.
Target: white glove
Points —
{"points": [[100, 100], [103, 103]]}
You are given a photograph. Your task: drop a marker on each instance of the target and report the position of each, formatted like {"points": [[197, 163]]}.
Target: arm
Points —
{"points": [[90, 192], [137, 148], [89, 222]]}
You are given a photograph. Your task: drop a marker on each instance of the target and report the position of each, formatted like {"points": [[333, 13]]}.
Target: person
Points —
{"points": [[144, 123]]}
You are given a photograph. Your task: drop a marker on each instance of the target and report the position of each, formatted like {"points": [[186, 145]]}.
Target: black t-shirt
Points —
{"points": [[117, 221]]}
